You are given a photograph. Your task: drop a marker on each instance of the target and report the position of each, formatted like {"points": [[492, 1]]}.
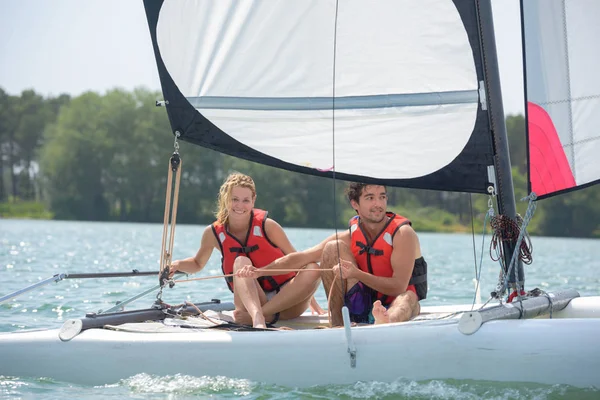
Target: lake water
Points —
{"points": [[34, 250]]}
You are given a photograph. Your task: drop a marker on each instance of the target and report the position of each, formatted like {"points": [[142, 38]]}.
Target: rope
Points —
{"points": [[506, 229], [166, 251], [537, 292], [523, 248], [230, 275], [189, 303]]}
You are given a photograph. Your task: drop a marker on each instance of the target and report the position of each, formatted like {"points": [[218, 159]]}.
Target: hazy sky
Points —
{"points": [[72, 46]]}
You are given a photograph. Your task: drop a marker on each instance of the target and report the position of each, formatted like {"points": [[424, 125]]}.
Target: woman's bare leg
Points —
{"points": [[248, 296], [294, 297]]}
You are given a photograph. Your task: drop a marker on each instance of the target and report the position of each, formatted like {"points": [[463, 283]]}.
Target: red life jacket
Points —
{"points": [[257, 247], [375, 258]]}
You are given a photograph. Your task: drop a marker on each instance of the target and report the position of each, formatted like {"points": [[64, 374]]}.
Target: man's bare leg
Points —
{"points": [[332, 253], [403, 308], [248, 296]]}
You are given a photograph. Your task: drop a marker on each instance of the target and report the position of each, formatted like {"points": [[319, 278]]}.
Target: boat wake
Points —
{"points": [[399, 389], [184, 386]]}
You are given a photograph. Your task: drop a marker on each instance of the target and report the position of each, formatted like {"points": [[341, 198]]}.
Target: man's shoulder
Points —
{"points": [[405, 232]]}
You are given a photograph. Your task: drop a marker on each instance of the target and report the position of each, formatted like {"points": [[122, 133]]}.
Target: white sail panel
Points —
{"points": [[285, 49], [563, 92], [248, 48], [584, 60], [257, 53], [403, 147]]}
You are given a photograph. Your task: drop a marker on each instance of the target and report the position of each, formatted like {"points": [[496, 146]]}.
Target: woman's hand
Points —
{"points": [[248, 271], [315, 308], [173, 268]]}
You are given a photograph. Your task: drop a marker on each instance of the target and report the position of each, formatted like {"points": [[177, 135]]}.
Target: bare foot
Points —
{"points": [[380, 313], [259, 325], [258, 321]]}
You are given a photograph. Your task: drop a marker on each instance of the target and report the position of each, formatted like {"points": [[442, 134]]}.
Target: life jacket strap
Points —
{"points": [[368, 249], [244, 249]]}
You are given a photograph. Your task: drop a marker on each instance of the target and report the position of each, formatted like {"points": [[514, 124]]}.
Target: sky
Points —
{"points": [[74, 46]]}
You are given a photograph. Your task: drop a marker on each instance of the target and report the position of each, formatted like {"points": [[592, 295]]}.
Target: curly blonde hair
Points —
{"points": [[234, 179]]}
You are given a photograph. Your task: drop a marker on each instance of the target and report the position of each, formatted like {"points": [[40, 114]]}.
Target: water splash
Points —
{"points": [[183, 384]]}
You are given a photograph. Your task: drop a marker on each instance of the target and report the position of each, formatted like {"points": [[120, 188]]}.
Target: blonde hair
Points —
{"points": [[234, 179]]}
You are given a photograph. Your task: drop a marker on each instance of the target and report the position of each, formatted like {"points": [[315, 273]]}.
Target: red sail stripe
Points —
{"points": [[549, 169]]}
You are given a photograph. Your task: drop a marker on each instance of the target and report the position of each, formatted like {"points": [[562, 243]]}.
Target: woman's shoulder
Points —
{"points": [[209, 231], [271, 223]]}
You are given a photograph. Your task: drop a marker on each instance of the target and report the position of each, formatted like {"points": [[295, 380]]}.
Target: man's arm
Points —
{"points": [[299, 259], [403, 258], [195, 264]]}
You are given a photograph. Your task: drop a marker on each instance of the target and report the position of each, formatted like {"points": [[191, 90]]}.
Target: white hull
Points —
{"points": [[549, 351]]}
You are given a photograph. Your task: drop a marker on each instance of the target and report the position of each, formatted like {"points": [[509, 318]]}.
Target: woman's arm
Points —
{"points": [[195, 264], [277, 236]]}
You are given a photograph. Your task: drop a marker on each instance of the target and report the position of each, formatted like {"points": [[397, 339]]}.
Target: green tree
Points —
{"points": [[8, 148], [515, 129], [6, 126], [32, 117], [77, 149], [575, 214]]}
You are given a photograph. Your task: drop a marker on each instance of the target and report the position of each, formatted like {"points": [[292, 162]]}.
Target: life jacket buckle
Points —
{"points": [[368, 249], [244, 249]]}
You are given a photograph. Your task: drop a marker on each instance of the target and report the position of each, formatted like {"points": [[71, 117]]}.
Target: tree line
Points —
{"points": [[104, 157]]}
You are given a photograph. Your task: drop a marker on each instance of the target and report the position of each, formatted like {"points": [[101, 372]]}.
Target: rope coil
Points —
{"points": [[507, 229]]}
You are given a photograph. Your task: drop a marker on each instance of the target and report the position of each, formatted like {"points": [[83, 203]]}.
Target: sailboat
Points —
{"points": [[399, 93]]}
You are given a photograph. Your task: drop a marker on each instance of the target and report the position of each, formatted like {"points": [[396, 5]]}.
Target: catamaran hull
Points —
{"points": [[547, 351]]}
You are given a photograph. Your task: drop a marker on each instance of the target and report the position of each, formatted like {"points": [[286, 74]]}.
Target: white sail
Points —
{"points": [[563, 92], [266, 72]]}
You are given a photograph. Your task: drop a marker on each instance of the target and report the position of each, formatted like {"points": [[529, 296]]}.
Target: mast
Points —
{"points": [[506, 195]]}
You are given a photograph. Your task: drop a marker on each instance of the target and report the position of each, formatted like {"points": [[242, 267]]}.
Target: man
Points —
{"points": [[379, 258]]}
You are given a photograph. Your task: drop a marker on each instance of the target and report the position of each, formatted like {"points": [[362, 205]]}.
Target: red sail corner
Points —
{"points": [[549, 169]]}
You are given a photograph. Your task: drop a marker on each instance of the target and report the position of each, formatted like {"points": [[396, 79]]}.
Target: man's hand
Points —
{"points": [[347, 269], [248, 271]]}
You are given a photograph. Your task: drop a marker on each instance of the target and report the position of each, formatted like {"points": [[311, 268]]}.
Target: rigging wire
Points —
{"points": [[473, 234], [335, 211], [477, 274], [488, 215]]}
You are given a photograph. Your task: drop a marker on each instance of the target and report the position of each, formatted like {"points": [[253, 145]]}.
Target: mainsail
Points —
{"points": [[561, 59], [388, 91]]}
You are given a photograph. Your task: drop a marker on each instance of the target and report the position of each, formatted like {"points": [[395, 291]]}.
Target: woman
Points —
{"points": [[245, 236]]}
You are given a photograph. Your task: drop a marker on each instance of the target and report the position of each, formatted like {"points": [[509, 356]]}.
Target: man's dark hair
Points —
{"points": [[355, 189]]}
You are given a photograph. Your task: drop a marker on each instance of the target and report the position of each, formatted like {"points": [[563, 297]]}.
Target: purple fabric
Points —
{"points": [[359, 301]]}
